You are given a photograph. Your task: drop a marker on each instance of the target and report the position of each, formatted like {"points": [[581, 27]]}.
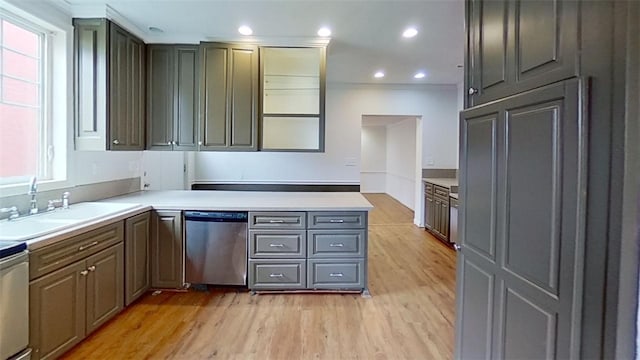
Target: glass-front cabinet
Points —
{"points": [[293, 87]]}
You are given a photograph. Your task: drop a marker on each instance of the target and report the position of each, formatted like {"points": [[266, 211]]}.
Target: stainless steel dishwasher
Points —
{"points": [[14, 301], [216, 247]]}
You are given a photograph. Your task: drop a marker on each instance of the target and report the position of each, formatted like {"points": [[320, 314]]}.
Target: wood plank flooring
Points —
{"points": [[410, 315]]}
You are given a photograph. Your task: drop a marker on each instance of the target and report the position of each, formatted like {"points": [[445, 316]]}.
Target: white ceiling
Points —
{"points": [[366, 33]]}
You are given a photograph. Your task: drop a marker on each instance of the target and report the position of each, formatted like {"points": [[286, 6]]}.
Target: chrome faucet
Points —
{"points": [[33, 190], [65, 199]]}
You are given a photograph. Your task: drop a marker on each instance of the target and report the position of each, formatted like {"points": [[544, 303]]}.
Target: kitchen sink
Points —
{"points": [[33, 226]]}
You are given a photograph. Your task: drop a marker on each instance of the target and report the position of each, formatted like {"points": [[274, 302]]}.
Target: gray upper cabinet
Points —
{"points": [[172, 97], [514, 46], [109, 87], [228, 97]]}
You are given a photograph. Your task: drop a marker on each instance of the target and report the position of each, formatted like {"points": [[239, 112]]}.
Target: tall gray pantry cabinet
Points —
{"points": [[538, 78]]}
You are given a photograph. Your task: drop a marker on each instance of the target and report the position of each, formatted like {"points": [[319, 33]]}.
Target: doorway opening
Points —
{"points": [[391, 159]]}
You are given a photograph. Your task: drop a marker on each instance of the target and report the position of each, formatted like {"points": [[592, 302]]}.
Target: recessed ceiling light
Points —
{"points": [[245, 30], [419, 75], [156, 30], [410, 32], [378, 75], [324, 32]]}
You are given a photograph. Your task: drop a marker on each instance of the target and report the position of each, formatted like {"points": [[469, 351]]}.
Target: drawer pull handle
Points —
{"points": [[85, 247], [276, 221], [335, 275], [276, 245], [276, 275], [336, 221], [92, 268], [336, 245], [84, 272]]}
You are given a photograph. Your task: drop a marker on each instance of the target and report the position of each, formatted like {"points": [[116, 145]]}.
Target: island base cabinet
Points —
{"points": [[277, 274], [335, 274], [69, 303]]}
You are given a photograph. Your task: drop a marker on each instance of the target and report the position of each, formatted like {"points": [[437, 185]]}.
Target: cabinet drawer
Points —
{"points": [[428, 188], [335, 274], [440, 191], [53, 257], [337, 220], [335, 243], [277, 243], [277, 274], [277, 220]]}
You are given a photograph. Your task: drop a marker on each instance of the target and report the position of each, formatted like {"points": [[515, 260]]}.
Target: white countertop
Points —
{"points": [[247, 200], [444, 182], [212, 200]]}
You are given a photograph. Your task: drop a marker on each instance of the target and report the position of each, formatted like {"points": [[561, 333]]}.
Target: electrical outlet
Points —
{"points": [[350, 161]]}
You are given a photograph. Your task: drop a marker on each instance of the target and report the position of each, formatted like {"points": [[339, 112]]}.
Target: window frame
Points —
{"points": [[58, 95]]}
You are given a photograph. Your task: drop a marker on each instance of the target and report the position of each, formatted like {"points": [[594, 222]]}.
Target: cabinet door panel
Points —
{"points": [[186, 103], [167, 259], [57, 311], [544, 42], [105, 284], [533, 256], [214, 90], [135, 101], [119, 91], [244, 92], [160, 97], [137, 278]]}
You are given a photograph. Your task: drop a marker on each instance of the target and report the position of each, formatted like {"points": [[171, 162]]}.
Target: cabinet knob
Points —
{"points": [[199, 142], [116, 142], [174, 143], [84, 272], [472, 91], [456, 247], [169, 142], [92, 268]]}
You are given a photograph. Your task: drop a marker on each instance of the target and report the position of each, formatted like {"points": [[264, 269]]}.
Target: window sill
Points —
{"points": [[22, 188]]}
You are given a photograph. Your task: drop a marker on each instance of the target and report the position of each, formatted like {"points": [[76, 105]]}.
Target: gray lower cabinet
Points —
{"points": [[277, 274], [308, 250], [336, 274], [437, 211], [137, 276], [167, 249], [69, 302]]}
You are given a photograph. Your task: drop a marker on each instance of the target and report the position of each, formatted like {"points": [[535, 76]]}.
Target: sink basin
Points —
{"points": [[29, 227]]}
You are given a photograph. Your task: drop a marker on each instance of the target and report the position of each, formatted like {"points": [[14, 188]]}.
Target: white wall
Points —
{"points": [[401, 161], [345, 105], [373, 178]]}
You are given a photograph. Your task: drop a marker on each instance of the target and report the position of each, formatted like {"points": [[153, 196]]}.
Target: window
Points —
{"points": [[25, 125]]}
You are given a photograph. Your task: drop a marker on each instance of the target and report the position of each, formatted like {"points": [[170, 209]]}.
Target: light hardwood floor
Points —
{"points": [[410, 315]]}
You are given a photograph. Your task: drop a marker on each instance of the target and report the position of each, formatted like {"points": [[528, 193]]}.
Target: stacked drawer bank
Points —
{"points": [[308, 251]]}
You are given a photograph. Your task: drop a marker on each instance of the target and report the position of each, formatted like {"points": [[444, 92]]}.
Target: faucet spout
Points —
{"points": [[33, 186], [33, 190]]}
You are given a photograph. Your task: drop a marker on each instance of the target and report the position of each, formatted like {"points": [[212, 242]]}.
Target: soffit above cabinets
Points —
{"points": [[366, 35]]}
